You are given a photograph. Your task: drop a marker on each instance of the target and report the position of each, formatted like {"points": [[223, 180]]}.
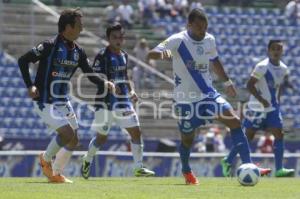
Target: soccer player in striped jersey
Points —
{"points": [[196, 100], [112, 62], [263, 109], [58, 60]]}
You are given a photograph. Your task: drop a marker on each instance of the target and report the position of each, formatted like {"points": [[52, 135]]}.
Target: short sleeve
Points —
{"points": [[168, 44], [259, 71]]}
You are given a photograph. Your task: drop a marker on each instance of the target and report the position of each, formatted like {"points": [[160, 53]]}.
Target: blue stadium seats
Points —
{"points": [[17, 117]]}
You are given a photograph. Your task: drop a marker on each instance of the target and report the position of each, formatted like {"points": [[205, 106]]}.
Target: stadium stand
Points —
{"points": [[241, 35]]}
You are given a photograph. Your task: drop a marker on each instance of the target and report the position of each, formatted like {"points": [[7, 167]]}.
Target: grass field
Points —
{"points": [[139, 188]]}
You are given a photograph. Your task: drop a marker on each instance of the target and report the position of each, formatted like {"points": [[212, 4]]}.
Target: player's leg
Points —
{"points": [[55, 120], [101, 124], [94, 146], [64, 136], [227, 161], [129, 120], [137, 147], [187, 125], [274, 125], [64, 154], [184, 152], [239, 140], [278, 149]]}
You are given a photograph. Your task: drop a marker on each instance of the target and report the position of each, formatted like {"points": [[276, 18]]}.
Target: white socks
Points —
{"points": [[92, 151], [137, 153], [61, 160], [52, 148]]}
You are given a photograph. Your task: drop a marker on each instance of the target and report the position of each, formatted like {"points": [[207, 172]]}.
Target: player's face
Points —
{"points": [[75, 31], [198, 28], [275, 51], [116, 39]]}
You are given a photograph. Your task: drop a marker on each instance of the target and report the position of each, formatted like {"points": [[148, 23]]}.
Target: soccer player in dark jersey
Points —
{"points": [[112, 62], [58, 58]]}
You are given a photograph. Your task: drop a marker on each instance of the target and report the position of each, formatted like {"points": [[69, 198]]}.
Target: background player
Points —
{"points": [[112, 62], [264, 106], [58, 60]]}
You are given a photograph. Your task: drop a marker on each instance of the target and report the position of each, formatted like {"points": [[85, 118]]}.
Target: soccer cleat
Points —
{"points": [[190, 178], [226, 167], [85, 169], [46, 166], [143, 172], [59, 179], [264, 171], [285, 172]]}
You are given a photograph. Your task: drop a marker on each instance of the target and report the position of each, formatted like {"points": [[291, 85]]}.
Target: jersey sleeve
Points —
{"points": [[32, 56], [98, 64], [259, 71], [86, 68], [213, 53], [168, 44]]}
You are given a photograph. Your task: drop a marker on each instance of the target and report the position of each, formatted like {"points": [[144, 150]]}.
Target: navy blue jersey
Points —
{"points": [[58, 61], [114, 67]]}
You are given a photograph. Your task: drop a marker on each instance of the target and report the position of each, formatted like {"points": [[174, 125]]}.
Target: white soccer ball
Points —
{"points": [[248, 174]]}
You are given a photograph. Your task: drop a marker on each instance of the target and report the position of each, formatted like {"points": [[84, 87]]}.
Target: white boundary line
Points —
{"points": [[150, 154]]}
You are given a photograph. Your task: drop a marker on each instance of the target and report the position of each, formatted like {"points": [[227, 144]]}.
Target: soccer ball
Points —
{"points": [[248, 174]]}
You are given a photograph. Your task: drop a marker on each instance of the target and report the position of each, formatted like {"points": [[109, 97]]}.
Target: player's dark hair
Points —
{"points": [[197, 13], [68, 16], [272, 41], [114, 27]]}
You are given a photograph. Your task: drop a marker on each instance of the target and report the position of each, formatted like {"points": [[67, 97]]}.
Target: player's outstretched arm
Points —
{"points": [[100, 82], [219, 70], [163, 55]]}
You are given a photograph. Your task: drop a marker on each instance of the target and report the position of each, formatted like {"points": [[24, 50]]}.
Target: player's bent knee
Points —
{"points": [[66, 133], [187, 140], [73, 143], [101, 138]]}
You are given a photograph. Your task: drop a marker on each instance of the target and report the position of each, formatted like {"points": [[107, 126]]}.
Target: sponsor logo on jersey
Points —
{"points": [[198, 67], [61, 74], [65, 62], [119, 68]]}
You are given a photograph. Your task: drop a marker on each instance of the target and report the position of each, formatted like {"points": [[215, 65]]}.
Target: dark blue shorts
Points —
{"points": [[196, 114], [263, 120]]}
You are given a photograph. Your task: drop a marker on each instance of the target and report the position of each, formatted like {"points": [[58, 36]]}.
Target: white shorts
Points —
{"points": [[57, 115], [123, 118]]}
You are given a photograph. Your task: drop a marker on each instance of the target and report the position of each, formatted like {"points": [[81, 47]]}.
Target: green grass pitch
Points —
{"points": [[152, 188]]}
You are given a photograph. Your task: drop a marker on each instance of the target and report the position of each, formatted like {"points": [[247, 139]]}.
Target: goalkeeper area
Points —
{"points": [[156, 187]]}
